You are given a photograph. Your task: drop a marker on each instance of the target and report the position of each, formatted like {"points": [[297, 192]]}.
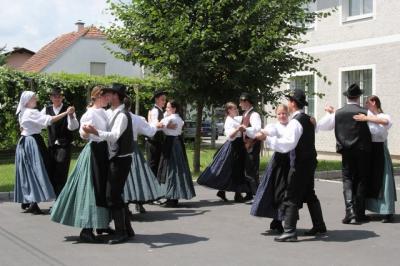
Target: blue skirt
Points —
{"points": [[76, 205], [32, 183], [178, 179], [226, 171], [271, 191], [384, 203], [141, 185]]}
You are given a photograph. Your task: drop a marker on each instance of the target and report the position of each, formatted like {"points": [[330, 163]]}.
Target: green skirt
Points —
{"points": [[384, 204], [76, 205]]}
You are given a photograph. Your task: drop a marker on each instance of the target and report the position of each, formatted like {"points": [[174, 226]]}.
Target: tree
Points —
{"points": [[213, 50], [2, 56]]}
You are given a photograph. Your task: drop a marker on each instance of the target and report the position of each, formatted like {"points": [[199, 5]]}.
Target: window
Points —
{"points": [[97, 69], [362, 78], [305, 83], [357, 9]]}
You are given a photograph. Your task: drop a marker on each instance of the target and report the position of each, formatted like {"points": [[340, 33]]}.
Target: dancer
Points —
{"points": [[82, 202], [381, 190], [32, 183], [353, 142], [141, 185], [226, 171], [173, 171], [59, 140], [299, 140], [271, 191]]}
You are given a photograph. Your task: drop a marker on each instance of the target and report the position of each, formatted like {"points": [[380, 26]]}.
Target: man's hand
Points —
{"points": [[360, 117], [242, 128], [172, 125], [160, 125], [89, 129], [70, 110], [329, 109]]}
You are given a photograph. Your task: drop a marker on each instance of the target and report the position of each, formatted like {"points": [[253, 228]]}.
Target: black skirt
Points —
{"points": [[99, 168], [375, 179]]}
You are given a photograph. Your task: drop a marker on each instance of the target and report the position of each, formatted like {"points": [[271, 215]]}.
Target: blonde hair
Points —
{"points": [[97, 91], [228, 106], [283, 106]]}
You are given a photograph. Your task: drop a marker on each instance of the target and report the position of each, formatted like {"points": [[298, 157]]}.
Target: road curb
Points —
{"points": [[7, 196]]}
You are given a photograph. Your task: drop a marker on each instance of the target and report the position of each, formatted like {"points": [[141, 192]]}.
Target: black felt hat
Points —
{"points": [[245, 96], [118, 88], [353, 91], [298, 96]]}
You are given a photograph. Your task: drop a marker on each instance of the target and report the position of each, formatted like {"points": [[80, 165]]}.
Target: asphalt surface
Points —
{"points": [[202, 231]]}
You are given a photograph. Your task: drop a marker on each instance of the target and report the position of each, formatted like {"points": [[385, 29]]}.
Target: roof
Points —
{"points": [[19, 50], [52, 50]]}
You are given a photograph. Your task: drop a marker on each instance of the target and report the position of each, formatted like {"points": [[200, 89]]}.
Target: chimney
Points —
{"points": [[80, 25]]}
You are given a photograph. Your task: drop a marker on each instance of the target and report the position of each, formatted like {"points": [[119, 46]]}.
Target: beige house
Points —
{"points": [[17, 57], [358, 43]]}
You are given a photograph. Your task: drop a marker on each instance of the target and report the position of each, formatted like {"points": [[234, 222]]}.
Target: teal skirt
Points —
{"points": [[76, 205], [384, 204], [141, 185]]}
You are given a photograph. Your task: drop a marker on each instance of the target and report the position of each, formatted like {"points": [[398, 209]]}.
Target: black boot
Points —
{"points": [[139, 208], [222, 195], [87, 236], [25, 206], [388, 218], [128, 226], [317, 220], [34, 209], [238, 197], [360, 210], [108, 231], [348, 201], [276, 225], [120, 235], [248, 197], [289, 234]]}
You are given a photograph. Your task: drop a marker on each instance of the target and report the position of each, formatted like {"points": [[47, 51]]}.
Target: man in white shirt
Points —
{"points": [[60, 138], [252, 123]]}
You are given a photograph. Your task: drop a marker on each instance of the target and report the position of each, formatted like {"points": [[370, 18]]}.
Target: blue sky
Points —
{"points": [[34, 23]]}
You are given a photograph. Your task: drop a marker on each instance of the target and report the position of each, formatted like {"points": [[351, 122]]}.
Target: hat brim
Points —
{"points": [[116, 91], [346, 93]]}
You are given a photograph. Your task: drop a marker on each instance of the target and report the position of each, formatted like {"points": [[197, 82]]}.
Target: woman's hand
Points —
{"points": [[260, 136], [329, 109], [360, 117]]}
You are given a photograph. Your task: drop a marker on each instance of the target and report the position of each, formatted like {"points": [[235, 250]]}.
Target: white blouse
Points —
{"points": [[379, 133], [174, 119], [96, 117], [32, 121], [231, 124], [140, 126], [274, 130]]}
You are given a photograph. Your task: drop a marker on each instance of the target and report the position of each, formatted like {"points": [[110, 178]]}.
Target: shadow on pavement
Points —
{"points": [[204, 203], [168, 214], [341, 236]]}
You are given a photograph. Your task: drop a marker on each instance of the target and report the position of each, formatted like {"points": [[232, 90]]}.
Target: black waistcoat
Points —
{"points": [[58, 130], [159, 136], [351, 134], [305, 149], [125, 142]]}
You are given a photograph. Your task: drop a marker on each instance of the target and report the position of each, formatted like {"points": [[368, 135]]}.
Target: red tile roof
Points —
{"points": [[52, 50]]}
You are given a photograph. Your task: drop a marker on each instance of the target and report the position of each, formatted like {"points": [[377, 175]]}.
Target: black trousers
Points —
{"points": [[355, 171], [60, 159], [252, 165], [153, 152], [117, 174]]}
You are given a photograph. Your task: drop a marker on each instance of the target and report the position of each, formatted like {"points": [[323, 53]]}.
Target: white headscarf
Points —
{"points": [[25, 97]]}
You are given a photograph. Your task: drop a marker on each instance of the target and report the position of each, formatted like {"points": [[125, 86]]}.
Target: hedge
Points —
{"points": [[76, 88]]}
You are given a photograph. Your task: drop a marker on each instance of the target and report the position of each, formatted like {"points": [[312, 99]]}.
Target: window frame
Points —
{"points": [[302, 74], [345, 17]]}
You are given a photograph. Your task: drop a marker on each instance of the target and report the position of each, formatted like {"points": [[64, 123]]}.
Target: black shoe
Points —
{"points": [[362, 218], [316, 231], [25, 206], [238, 198], [222, 195], [108, 231], [387, 218], [248, 197], [287, 236], [276, 225], [139, 208], [119, 237], [350, 215], [87, 236], [34, 209], [171, 203]]}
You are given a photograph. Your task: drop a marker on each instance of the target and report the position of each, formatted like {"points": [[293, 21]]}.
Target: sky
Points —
{"points": [[34, 23]]}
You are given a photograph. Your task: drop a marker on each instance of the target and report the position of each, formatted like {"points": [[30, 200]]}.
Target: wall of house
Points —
{"points": [[77, 59], [15, 60]]}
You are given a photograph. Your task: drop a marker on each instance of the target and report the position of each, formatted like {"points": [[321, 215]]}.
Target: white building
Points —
{"points": [[358, 43], [82, 51]]}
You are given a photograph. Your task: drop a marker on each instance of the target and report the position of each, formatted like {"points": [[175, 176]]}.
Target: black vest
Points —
{"points": [[159, 136], [351, 134], [58, 130], [125, 142], [305, 149]]}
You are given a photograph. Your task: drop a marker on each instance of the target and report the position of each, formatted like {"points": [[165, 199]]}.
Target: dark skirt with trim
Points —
{"points": [[226, 172]]}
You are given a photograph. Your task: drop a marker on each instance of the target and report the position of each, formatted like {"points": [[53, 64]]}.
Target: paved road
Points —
{"points": [[203, 231]]}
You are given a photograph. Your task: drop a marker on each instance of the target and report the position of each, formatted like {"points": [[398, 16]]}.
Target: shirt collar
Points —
{"points": [[57, 108], [298, 112], [245, 113]]}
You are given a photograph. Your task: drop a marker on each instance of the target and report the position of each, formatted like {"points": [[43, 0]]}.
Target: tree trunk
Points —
{"points": [[212, 127], [197, 141]]}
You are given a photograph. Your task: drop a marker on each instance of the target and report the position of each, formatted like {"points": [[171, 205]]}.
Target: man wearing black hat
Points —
{"points": [[154, 144], [299, 141], [59, 140], [353, 141], [120, 147], [252, 121]]}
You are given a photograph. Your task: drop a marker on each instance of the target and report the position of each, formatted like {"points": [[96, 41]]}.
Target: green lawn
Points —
{"points": [[7, 169]]}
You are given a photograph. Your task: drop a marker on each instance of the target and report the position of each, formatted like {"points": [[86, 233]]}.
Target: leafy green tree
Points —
{"points": [[213, 50]]}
